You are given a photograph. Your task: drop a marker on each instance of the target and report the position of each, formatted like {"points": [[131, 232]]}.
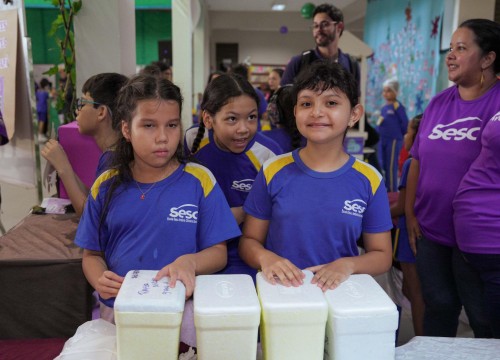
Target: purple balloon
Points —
{"points": [[283, 29]]}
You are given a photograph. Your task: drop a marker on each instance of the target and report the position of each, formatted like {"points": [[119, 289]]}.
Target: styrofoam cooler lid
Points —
{"points": [[141, 293], [279, 297], [225, 294], [360, 295]]}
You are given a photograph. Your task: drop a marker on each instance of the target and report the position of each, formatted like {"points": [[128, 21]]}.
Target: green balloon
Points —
{"points": [[307, 10]]}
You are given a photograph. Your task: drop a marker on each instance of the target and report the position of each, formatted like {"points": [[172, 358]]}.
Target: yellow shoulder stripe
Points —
{"points": [[204, 175], [369, 172], [274, 165], [203, 142], [108, 174], [253, 159]]}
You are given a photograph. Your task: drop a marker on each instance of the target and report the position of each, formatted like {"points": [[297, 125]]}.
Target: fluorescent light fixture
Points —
{"points": [[278, 7]]}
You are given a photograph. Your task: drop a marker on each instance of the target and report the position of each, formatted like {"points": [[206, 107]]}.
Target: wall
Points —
{"points": [[151, 26], [258, 35]]}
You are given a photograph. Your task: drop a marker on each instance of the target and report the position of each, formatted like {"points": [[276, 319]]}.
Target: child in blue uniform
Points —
{"points": [[392, 127], [280, 114], [152, 210], [402, 250], [231, 148], [94, 115], [307, 208]]}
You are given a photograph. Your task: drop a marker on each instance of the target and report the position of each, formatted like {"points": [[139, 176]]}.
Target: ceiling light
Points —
{"points": [[278, 7]]}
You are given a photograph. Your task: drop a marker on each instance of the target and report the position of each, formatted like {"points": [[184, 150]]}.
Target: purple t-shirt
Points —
{"points": [[477, 213], [395, 121], [446, 145]]}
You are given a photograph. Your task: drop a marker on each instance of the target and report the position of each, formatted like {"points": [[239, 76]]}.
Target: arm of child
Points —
{"points": [[253, 252], [398, 208], [238, 213], [186, 267], [105, 282], [376, 260], [411, 191], [76, 189]]}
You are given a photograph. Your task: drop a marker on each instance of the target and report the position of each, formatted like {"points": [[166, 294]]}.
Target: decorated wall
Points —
{"points": [[406, 46]]}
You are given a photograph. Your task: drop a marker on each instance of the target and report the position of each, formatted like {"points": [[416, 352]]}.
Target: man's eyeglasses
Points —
{"points": [[80, 103], [323, 25]]}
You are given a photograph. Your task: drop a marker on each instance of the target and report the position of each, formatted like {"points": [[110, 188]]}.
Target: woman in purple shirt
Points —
{"points": [[477, 214], [447, 144]]}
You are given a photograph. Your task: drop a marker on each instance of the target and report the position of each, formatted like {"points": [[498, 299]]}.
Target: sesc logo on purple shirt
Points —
{"points": [[461, 129], [242, 185]]}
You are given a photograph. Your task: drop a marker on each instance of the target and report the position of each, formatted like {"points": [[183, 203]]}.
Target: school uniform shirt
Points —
{"points": [[447, 142], [235, 174], [182, 214], [283, 138], [104, 162], [315, 217], [395, 121], [476, 204]]}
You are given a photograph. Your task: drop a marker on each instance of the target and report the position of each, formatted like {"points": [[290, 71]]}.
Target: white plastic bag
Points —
{"points": [[93, 340]]}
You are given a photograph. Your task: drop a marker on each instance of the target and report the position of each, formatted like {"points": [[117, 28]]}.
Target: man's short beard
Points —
{"points": [[327, 40]]}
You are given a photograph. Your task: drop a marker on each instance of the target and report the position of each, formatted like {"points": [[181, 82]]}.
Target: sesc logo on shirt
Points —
{"points": [[354, 207], [184, 213], [461, 129], [244, 185], [496, 117]]}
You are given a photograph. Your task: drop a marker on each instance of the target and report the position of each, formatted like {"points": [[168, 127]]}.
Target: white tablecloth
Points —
{"points": [[440, 348]]}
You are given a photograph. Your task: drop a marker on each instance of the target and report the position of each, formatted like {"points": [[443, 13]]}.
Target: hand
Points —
{"points": [[331, 275], [414, 232], [183, 269], [275, 268], [109, 284], [55, 154]]}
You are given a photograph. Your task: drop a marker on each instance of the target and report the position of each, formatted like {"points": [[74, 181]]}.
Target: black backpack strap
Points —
{"points": [[306, 59], [353, 64]]}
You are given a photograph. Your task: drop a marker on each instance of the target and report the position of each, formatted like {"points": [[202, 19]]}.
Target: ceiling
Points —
{"points": [[354, 10], [265, 5]]}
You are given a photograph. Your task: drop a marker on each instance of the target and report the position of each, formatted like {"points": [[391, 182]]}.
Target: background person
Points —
{"points": [[327, 28], [476, 213], [447, 143]]}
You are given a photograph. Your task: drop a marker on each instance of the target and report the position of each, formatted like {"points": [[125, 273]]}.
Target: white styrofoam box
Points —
{"points": [[362, 321], [293, 320], [148, 316], [226, 317]]}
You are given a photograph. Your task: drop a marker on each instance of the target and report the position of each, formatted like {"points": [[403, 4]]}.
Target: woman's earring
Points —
{"points": [[482, 77]]}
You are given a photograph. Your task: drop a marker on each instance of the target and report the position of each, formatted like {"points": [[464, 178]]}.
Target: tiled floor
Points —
{"points": [[17, 202]]}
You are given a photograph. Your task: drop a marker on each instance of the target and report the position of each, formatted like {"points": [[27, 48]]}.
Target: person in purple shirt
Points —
{"points": [[476, 211], [448, 142], [327, 28]]}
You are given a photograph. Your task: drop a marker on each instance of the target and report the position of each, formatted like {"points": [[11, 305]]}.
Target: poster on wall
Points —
{"points": [[8, 61]]}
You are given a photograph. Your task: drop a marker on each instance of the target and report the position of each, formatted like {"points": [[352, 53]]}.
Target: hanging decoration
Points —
{"points": [[307, 10]]}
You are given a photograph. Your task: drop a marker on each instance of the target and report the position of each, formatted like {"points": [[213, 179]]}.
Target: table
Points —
{"points": [[44, 291]]}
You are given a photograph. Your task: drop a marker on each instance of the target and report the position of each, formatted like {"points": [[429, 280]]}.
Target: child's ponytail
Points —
{"points": [[199, 137]]}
